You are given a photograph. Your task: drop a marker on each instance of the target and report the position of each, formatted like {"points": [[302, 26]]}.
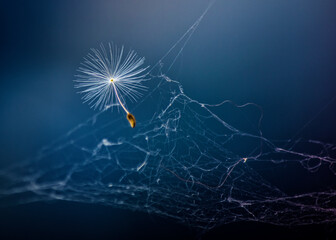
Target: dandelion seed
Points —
{"points": [[106, 78]]}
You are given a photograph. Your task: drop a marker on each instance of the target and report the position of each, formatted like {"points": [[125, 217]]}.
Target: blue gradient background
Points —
{"points": [[278, 54]]}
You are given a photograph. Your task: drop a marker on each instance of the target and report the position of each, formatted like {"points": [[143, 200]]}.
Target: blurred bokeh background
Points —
{"points": [[280, 54]]}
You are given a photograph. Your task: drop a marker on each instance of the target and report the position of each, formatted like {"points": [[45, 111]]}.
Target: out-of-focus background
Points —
{"points": [[280, 54]]}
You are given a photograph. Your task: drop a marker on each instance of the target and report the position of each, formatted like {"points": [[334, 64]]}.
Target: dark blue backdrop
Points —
{"points": [[280, 54]]}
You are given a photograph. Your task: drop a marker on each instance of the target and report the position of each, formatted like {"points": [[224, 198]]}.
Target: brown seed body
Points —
{"points": [[131, 119]]}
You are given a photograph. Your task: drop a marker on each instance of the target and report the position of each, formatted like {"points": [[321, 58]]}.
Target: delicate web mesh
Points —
{"points": [[183, 160]]}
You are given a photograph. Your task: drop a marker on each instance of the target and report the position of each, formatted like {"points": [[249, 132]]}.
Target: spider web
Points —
{"points": [[186, 160]]}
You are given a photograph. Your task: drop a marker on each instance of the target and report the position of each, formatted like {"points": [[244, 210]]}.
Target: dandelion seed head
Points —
{"points": [[107, 73]]}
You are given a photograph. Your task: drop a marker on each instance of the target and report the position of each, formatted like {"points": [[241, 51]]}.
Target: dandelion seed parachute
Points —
{"points": [[107, 77]]}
